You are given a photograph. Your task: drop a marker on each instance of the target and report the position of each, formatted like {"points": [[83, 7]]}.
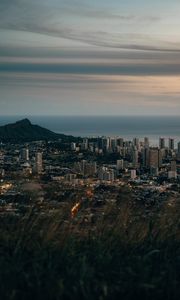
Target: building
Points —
{"points": [[2, 173], [84, 145], [120, 164], [113, 144], [106, 174], [155, 158], [25, 154], [154, 171], [120, 142], [173, 166], [145, 157], [178, 151], [136, 142], [90, 169], [161, 143], [38, 163], [70, 177], [135, 157], [146, 142], [172, 175], [86, 168], [26, 169], [133, 174], [179, 148], [73, 146], [171, 144]]}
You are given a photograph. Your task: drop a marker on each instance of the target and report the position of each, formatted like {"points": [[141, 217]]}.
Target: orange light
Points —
{"points": [[74, 209]]}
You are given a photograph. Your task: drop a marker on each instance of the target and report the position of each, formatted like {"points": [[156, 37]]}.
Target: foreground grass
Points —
{"points": [[131, 259]]}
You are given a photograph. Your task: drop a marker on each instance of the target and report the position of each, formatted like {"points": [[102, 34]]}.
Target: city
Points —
{"points": [[91, 170], [89, 150]]}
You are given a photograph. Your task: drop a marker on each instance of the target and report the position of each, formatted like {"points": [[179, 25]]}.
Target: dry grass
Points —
{"points": [[120, 257]]}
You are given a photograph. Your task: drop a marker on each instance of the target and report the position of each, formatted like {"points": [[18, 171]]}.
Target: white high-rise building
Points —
{"points": [[133, 174], [135, 157], [73, 146], [38, 163]]}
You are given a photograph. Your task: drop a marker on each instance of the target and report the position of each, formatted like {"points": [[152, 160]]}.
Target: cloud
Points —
{"points": [[135, 69], [45, 93], [68, 20], [76, 8], [134, 85]]}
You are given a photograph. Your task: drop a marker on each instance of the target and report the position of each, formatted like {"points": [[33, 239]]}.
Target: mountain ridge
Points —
{"points": [[24, 131]]}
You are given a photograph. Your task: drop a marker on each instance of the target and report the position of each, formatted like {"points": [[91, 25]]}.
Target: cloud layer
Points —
{"points": [[89, 57], [94, 24]]}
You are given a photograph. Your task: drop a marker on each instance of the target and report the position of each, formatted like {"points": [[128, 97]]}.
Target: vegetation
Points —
{"points": [[123, 257]]}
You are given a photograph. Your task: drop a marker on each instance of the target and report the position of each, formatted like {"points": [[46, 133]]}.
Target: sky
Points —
{"points": [[81, 57]]}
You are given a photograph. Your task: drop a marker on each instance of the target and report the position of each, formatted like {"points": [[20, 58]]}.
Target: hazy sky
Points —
{"points": [[77, 57]]}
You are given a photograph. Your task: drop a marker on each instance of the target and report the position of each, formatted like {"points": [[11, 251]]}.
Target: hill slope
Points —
{"points": [[24, 130]]}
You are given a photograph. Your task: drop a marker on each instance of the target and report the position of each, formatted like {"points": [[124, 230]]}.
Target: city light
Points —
{"points": [[75, 209]]}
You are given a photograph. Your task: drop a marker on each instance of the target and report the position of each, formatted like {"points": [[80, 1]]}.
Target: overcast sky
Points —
{"points": [[81, 57]]}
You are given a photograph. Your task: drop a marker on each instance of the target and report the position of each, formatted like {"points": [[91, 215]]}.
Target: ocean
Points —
{"points": [[122, 126]]}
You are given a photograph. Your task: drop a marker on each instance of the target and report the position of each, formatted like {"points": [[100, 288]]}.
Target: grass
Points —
{"points": [[120, 257]]}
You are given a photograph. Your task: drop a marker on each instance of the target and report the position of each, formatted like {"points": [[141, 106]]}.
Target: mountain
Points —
{"points": [[25, 131]]}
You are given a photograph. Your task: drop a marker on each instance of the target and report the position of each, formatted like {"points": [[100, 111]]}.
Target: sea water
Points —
{"points": [[122, 126]]}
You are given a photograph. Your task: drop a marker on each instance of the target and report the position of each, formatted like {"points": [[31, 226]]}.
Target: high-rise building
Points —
{"points": [[104, 143], [113, 144], [133, 174], [85, 144], [106, 174], [146, 156], [86, 168], [179, 148], [120, 164], [73, 146], [136, 142], [178, 151], [173, 165], [90, 168], [135, 157], [161, 155], [25, 154], [120, 142], [161, 143], [83, 166], [38, 163], [146, 142], [173, 170], [154, 158], [171, 144]]}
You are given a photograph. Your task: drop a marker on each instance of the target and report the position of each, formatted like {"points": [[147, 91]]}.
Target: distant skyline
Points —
{"points": [[79, 57]]}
